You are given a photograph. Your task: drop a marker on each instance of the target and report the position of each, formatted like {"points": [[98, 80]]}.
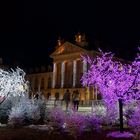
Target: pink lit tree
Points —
{"points": [[116, 81]]}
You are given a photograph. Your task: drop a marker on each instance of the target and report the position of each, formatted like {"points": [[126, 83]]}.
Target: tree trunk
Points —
{"points": [[121, 115]]}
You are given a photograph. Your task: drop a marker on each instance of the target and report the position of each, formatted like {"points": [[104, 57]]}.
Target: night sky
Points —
{"points": [[30, 29]]}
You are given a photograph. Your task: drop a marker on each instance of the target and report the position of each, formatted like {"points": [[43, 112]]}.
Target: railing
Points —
{"points": [[97, 102], [93, 104]]}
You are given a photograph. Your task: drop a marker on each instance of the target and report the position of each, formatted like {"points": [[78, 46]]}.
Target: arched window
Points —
{"points": [[36, 84], [49, 82], [79, 73], [49, 68], [42, 83], [58, 77], [30, 83], [99, 96], [68, 74]]}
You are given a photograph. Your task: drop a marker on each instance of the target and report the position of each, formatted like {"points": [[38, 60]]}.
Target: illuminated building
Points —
{"points": [[66, 72]]}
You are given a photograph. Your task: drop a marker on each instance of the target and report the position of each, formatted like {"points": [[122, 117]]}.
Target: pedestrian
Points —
{"points": [[66, 98], [56, 98], [36, 96], [76, 99]]}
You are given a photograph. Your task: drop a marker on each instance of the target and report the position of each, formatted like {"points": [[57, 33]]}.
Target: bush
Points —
{"points": [[111, 117], [5, 108], [41, 103], [17, 116], [26, 111], [75, 123], [134, 121], [93, 122], [56, 118]]}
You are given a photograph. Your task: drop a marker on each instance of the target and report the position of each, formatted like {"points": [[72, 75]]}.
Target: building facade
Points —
{"points": [[67, 71]]}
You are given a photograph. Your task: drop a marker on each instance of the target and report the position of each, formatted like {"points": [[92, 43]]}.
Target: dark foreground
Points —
{"points": [[32, 134]]}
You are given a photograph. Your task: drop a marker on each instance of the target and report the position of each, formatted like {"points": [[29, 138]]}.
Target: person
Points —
{"points": [[66, 98], [36, 96], [76, 98], [56, 98], [48, 95]]}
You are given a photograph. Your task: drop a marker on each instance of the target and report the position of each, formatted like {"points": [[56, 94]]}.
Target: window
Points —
{"points": [[42, 83], [49, 82], [36, 84]]}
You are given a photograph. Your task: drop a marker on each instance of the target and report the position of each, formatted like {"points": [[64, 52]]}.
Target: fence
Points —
{"points": [[92, 104]]}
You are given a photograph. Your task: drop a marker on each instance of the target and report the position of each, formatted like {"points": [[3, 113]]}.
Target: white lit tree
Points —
{"points": [[15, 104], [12, 83]]}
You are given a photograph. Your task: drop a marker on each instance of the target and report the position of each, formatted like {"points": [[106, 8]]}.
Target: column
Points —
{"points": [[88, 93], [84, 66], [54, 75], [74, 72], [62, 73]]}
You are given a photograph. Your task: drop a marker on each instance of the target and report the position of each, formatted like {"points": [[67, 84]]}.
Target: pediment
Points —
{"points": [[67, 48]]}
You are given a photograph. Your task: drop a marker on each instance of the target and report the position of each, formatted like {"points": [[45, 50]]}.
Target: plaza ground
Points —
{"points": [[24, 133], [82, 108], [32, 134]]}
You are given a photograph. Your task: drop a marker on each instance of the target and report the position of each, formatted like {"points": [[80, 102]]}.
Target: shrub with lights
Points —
{"points": [[75, 123], [25, 111], [15, 106], [134, 121], [56, 118]]}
